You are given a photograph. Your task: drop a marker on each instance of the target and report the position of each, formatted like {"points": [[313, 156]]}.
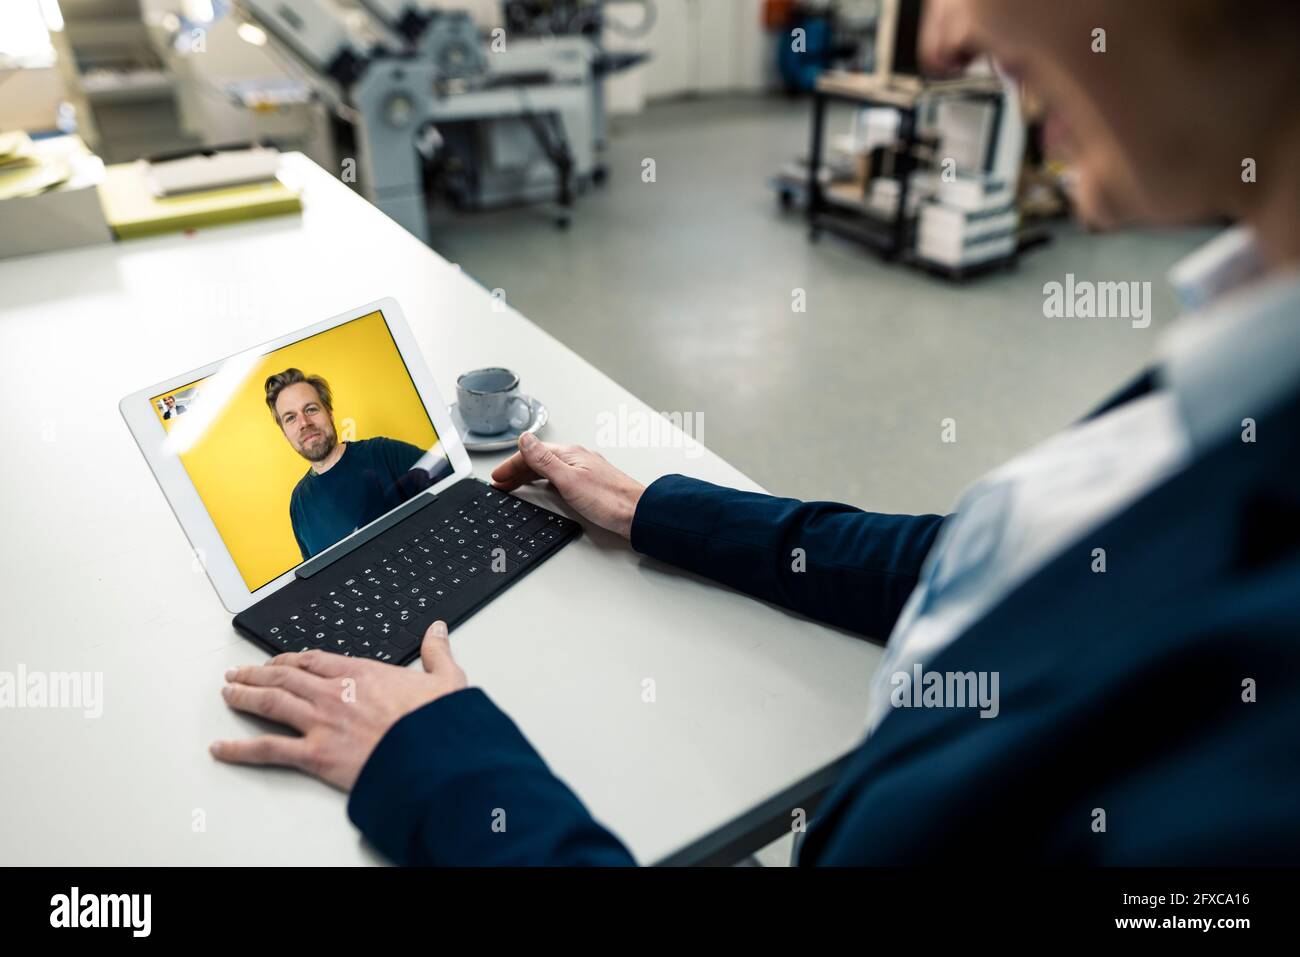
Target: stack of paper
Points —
{"points": [[970, 220], [24, 171], [133, 210]]}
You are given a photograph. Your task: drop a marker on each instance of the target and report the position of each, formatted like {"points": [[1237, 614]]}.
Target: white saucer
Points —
{"points": [[508, 439]]}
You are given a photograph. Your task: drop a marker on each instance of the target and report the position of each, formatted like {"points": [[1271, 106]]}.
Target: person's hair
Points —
{"points": [[281, 380]]}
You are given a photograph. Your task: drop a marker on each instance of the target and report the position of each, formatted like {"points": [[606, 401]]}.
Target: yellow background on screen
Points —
{"points": [[244, 468]]}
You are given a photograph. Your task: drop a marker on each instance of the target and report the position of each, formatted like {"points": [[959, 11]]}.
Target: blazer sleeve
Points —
{"points": [[456, 783], [833, 563]]}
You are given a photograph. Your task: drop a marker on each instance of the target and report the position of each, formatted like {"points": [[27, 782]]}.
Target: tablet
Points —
{"points": [[241, 448]]}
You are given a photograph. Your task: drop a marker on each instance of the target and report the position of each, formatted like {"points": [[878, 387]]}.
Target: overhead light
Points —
{"points": [[252, 34], [52, 14]]}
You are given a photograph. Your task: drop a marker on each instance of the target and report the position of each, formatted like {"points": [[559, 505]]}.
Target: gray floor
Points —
{"points": [[681, 290]]}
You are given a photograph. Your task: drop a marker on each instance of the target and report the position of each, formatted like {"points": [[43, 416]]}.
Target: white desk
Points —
{"points": [[97, 575]]}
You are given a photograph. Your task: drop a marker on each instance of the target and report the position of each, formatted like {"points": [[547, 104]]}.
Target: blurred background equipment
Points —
{"points": [[928, 171], [515, 116], [111, 64]]}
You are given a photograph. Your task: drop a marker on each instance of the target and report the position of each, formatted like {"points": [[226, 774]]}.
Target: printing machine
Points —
{"points": [[387, 94], [484, 122], [519, 117]]}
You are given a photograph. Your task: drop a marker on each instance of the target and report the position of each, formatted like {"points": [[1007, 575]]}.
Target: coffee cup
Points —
{"points": [[490, 401]]}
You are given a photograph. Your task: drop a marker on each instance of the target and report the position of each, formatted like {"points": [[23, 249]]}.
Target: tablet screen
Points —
{"points": [[295, 449]]}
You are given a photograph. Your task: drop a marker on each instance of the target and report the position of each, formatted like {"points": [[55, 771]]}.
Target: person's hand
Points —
{"points": [[342, 706], [595, 489]]}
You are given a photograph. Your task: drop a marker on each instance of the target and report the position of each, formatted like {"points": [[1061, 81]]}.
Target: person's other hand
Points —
{"points": [[595, 489], [341, 706]]}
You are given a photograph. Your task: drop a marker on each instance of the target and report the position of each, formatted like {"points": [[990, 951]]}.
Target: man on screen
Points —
{"points": [[349, 483], [171, 408]]}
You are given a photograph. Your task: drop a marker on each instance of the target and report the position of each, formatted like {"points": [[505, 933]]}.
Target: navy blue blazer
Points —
{"points": [[1120, 691]]}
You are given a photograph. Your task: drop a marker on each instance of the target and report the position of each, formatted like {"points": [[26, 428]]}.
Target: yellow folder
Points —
{"points": [[132, 210]]}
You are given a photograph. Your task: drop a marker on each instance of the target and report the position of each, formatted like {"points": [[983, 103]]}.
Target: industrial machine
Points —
{"points": [[437, 108], [123, 94], [516, 116], [388, 95]]}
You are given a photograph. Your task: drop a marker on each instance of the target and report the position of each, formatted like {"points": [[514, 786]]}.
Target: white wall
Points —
{"points": [[696, 46], [703, 46]]}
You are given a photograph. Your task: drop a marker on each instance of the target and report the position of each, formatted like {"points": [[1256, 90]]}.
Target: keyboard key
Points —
{"points": [[404, 641]]}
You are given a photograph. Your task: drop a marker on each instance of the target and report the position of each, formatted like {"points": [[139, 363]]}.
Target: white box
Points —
{"points": [[63, 217], [957, 237], [973, 192]]}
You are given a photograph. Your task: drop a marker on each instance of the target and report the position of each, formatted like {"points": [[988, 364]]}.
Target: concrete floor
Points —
{"points": [[681, 290]]}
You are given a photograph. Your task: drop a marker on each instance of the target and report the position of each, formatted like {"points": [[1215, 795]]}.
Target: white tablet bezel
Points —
{"points": [[137, 409]]}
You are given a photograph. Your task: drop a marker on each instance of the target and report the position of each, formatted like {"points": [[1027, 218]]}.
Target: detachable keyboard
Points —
{"points": [[444, 558]]}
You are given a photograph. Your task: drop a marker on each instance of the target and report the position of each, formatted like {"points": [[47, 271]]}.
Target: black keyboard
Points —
{"points": [[445, 560]]}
